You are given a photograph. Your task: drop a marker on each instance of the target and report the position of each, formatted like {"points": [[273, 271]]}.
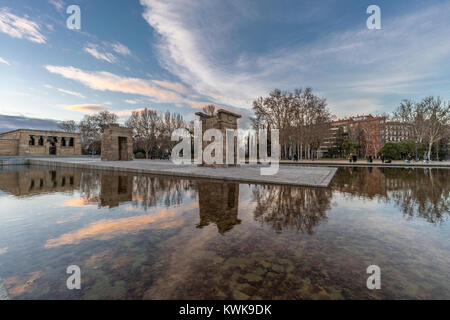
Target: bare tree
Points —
{"points": [[147, 127], [68, 126], [91, 128], [437, 119], [428, 120], [209, 109], [412, 114], [302, 119]]}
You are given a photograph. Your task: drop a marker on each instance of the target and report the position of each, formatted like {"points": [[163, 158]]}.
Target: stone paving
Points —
{"points": [[287, 175], [364, 163]]}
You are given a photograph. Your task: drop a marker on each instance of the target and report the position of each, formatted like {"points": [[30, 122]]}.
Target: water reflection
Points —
{"points": [[218, 204], [286, 207], [419, 193], [33, 182], [142, 236]]}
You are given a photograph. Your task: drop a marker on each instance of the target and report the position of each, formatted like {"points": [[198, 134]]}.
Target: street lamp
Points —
{"points": [[416, 151]]}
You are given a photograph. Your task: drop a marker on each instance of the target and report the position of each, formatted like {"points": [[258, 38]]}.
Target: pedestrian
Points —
{"points": [[382, 158]]}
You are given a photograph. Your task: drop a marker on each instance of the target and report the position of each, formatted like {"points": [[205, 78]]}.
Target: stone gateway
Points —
{"points": [[117, 143]]}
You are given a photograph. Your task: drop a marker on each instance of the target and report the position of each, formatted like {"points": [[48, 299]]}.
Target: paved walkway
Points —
{"points": [[287, 175], [364, 163]]}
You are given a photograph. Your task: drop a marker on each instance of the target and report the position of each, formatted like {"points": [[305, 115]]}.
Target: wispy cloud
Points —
{"points": [[72, 93], [20, 27], [86, 108], [175, 86], [4, 61], [129, 101], [95, 51], [401, 59], [106, 81], [58, 4], [121, 49]]}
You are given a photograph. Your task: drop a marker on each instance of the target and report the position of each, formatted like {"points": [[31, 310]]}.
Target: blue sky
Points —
{"points": [[180, 55]]}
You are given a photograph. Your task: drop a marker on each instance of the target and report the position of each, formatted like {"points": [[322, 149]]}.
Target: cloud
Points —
{"points": [[175, 86], [58, 4], [86, 108], [72, 93], [9, 123], [106, 81], [121, 49], [18, 27], [4, 61], [94, 50], [405, 57], [163, 218], [129, 101]]}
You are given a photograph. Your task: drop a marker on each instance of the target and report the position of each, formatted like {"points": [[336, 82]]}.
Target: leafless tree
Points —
{"points": [[437, 120], [147, 126], [68, 126], [91, 128], [209, 109], [428, 120], [301, 117], [152, 130], [413, 114]]}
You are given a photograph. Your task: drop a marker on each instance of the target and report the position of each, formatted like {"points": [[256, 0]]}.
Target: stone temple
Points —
{"points": [[223, 120], [117, 143]]}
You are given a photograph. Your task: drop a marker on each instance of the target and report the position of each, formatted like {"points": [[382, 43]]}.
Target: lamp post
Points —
{"points": [[416, 151]]}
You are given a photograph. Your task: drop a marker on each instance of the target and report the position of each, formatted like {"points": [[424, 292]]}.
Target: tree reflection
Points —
{"points": [[417, 192], [286, 207]]}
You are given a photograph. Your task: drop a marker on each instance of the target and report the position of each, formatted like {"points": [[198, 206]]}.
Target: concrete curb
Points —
{"points": [[365, 164], [302, 179]]}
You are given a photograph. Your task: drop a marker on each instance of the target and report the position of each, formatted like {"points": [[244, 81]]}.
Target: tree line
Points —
{"points": [[302, 118]]}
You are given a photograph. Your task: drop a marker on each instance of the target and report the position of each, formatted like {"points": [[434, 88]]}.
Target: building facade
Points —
{"points": [[117, 143], [27, 142], [367, 130], [222, 121], [397, 131]]}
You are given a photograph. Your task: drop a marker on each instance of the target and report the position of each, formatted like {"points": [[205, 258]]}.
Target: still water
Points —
{"points": [[149, 237]]}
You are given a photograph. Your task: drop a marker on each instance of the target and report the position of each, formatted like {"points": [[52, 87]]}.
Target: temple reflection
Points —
{"points": [[218, 204], [419, 193], [37, 181], [116, 190]]}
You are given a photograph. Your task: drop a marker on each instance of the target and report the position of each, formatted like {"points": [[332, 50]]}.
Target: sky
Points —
{"points": [[181, 55]]}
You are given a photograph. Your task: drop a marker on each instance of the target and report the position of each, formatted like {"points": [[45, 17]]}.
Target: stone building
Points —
{"points": [[397, 131], [223, 120], [366, 130], [27, 142], [117, 143]]}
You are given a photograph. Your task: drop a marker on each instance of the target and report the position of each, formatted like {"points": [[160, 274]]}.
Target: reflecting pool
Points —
{"points": [[149, 237]]}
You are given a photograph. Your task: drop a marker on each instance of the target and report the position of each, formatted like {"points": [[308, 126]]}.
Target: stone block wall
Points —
{"points": [[9, 147], [222, 121], [117, 143], [41, 143]]}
